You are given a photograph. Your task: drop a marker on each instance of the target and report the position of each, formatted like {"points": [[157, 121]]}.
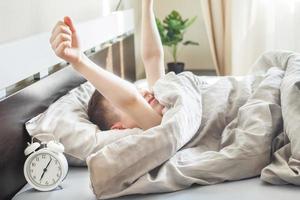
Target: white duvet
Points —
{"points": [[212, 132]]}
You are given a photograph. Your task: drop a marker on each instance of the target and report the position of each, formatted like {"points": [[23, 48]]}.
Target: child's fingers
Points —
{"points": [[64, 41], [61, 50], [59, 23], [143, 91], [62, 28], [148, 97], [146, 94], [68, 21], [62, 37]]}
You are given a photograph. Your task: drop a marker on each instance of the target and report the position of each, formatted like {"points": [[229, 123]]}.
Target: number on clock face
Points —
{"points": [[44, 170]]}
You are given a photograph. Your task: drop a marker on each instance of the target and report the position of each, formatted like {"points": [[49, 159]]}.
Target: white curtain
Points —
{"points": [[217, 19], [262, 25]]}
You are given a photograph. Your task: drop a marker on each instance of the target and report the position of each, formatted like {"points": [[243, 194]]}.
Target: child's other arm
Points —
{"points": [[122, 94], [152, 50]]}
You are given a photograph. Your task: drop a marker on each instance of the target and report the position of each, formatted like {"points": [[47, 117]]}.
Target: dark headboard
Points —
{"points": [[18, 108]]}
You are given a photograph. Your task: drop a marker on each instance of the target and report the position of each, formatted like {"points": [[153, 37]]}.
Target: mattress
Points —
{"points": [[76, 186]]}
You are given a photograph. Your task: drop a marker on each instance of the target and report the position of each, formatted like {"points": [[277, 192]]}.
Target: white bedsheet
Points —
{"points": [[211, 133], [76, 186]]}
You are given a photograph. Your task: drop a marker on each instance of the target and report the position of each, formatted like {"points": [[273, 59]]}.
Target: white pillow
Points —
{"points": [[68, 121]]}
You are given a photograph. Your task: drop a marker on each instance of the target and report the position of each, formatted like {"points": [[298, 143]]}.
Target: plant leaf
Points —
{"points": [[190, 22], [175, 15], [190, 43], [172, 29]]}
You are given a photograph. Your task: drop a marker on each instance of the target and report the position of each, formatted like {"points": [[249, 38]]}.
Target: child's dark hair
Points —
{"points": [[100, 112]]}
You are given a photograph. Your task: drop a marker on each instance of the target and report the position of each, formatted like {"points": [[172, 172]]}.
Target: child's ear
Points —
{"points": [[117, 125]]}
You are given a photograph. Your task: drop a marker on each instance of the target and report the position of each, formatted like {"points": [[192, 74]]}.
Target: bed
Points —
{"points": [[16, 109], [76, 187], [21, 106]]}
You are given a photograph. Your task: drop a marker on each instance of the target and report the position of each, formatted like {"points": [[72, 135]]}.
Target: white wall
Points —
{"points": [[195, 57], [136, 5], [19, 19], [25, 28], [34, 53]]}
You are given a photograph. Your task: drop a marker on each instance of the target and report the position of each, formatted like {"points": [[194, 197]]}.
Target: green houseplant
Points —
{"points": [[171, 31]]}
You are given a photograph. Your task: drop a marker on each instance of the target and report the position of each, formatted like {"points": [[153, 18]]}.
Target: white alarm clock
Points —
{"points": [[46, 166]]}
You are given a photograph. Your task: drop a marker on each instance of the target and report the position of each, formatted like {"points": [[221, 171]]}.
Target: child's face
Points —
{"points": [[127, 122]]}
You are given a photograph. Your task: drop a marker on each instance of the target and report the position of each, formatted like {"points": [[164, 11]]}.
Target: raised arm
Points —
{"points": [[152, 50], [120, 93]]}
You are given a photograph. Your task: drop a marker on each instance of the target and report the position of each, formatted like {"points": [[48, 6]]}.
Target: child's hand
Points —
{"points": [[65, 42], [147, 94]]}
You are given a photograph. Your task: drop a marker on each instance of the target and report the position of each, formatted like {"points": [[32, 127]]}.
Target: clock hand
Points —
{"points": [[45, 169], [48, 163]]}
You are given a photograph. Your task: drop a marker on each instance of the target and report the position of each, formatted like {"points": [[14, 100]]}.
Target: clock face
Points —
{"points": [[44, 170]]}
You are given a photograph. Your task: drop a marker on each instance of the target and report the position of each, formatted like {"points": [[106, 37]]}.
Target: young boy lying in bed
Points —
{"points": [[117, 104]]}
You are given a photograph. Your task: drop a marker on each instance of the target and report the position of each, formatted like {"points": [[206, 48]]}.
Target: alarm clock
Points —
{"points": [[46, 166]]}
